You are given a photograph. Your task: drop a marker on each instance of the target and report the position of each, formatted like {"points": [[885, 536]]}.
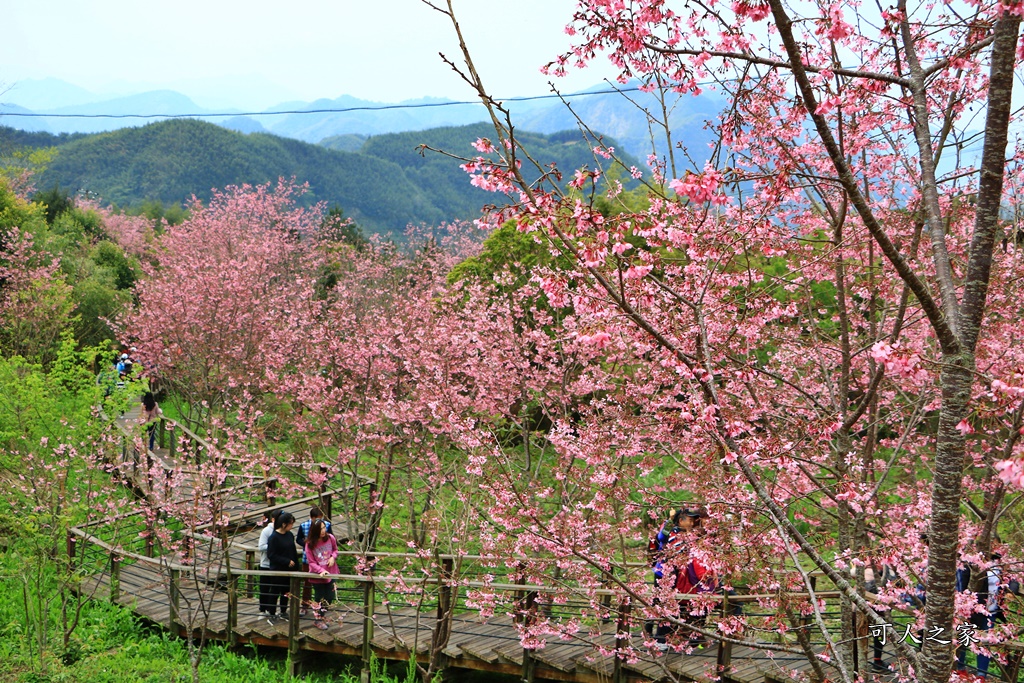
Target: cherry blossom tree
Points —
{"points": [[35, 301], [809, 319], [226, 278]]}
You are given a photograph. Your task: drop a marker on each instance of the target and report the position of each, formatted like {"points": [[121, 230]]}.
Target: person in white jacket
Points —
{"points": [[268, 529]]}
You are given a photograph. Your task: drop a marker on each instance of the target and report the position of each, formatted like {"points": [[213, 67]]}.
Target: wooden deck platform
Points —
{"points": [[400, 630]]}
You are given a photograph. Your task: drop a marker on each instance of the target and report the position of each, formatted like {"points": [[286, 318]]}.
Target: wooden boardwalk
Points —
{"points": [[398, 631], [208, 586]]}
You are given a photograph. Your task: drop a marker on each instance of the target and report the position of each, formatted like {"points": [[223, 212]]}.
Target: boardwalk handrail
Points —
{"points": [[206, 494], [255, 513], [164, 564]]}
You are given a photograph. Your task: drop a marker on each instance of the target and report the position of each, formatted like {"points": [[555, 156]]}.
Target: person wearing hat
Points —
{"points": [[669, 543]]}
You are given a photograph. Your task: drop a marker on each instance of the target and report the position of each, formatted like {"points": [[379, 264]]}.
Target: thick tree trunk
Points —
{"points": [[944, 532]]}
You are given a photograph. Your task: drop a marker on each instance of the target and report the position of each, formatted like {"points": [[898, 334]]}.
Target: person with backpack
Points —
{"points": [[669, 554], [984, 620], [150, 417], [694, 578]]}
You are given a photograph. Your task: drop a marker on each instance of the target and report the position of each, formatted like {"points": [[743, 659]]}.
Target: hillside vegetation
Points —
{"points": [[385, 185]]}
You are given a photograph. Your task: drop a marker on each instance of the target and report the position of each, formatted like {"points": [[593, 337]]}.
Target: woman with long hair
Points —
{"points": [[322, 555], [282, 558]]}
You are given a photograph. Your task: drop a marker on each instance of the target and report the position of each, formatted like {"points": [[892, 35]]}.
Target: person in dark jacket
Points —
{"points": [[283, 558]]}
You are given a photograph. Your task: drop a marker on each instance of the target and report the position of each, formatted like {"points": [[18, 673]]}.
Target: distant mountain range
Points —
{"points": [[382, 181], [613, 114]]}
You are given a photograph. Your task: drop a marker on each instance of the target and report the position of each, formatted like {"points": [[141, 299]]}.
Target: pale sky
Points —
{"points": [[257, 53]]}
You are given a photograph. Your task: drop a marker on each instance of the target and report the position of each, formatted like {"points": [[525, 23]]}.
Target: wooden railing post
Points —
{"points": [[294, 604], [442, 629], [232, 606], [724, 658], [326, 499], [621, 641], [606, 600], [161, 432], [72, 541], [250, 565], [149, 470], [370, 538], [174, 594], [808, 620], [519, 596], [529, 664], [272, 492], [172, 442], [115, 577], [367, 651]]}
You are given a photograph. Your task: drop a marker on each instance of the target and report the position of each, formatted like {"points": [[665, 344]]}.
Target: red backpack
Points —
{"points": [[694, 578]]}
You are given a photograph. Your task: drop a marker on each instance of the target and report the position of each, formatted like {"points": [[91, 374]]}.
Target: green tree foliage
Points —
{"points": [[93, 281], [506, 250], [337, 228], [156, 211], [55, 202]]}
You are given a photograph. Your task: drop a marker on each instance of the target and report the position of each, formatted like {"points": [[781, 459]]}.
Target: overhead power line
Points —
{"points": [[423, 105]]}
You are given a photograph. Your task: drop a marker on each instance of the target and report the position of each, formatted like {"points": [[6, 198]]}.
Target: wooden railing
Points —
{"points": [[438, 586], [447, 585]]}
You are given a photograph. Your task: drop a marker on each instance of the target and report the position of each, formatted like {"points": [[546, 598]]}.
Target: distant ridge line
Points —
{"points": [[315, 111]]}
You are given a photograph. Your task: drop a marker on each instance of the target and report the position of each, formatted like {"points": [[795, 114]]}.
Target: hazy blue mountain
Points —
{"points": [[611, 113], [368, 118], [242, 124], [26, 123], [155, 102], [48, 93], [620, 118]]}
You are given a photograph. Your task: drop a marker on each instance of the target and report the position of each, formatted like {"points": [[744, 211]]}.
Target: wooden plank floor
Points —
{"points": [[474, 643]]}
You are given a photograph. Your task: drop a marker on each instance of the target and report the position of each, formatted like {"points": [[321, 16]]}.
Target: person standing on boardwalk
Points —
{"points": [[668, 545], [265, 581], [321, 553], [283, 558], [314, 514], [151, 416]]}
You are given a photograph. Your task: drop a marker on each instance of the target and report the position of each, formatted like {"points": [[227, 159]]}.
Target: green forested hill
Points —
{"points": [[12, 138], [172, 160], [384, 186], [446, 183]]}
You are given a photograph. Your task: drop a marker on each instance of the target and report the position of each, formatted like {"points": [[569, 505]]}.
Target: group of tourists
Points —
{"points": [[119, 371], [278, 548], [989, 595], [678, 568]]}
